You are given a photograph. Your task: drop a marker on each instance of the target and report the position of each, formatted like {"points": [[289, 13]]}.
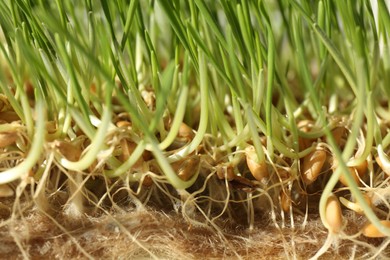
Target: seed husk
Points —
{"points": [[8, 138], [333, 214], [241, 183], [312, 165], [369, 230]]}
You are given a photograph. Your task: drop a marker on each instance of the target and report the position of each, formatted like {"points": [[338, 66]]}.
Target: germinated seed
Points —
{"points": [[225, 171], [7, 138], [189, 168], [354, 174], [123, 124], [305, 126], [69, 150], [369, 230], [338, 134], [259, 170], [285, 201], [283, 173], [312, 165], [147, 181], [6, 191], [185, 132], [9, 116], [357, 172], [128, 148], [333, 214], [362, 168]]}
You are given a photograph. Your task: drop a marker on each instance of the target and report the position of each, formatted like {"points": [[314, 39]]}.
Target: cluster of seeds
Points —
{"points": [[291, 183]]}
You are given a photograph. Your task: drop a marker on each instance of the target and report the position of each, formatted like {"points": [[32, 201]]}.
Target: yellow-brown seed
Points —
{"points": [[9, 116], [188, 168], [369, 230], [259, 170], [312, 165], [147, 155], [283, 173], [128, 148], [305, 126], [357, 172], [285, 201], [333, 214], [362, 168], [338, 134], [6, 191], [70, 151], [225, 171], [147, 181], [354, 174], [304, 143], [123, 124], [185, 132], [8, 138]]}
